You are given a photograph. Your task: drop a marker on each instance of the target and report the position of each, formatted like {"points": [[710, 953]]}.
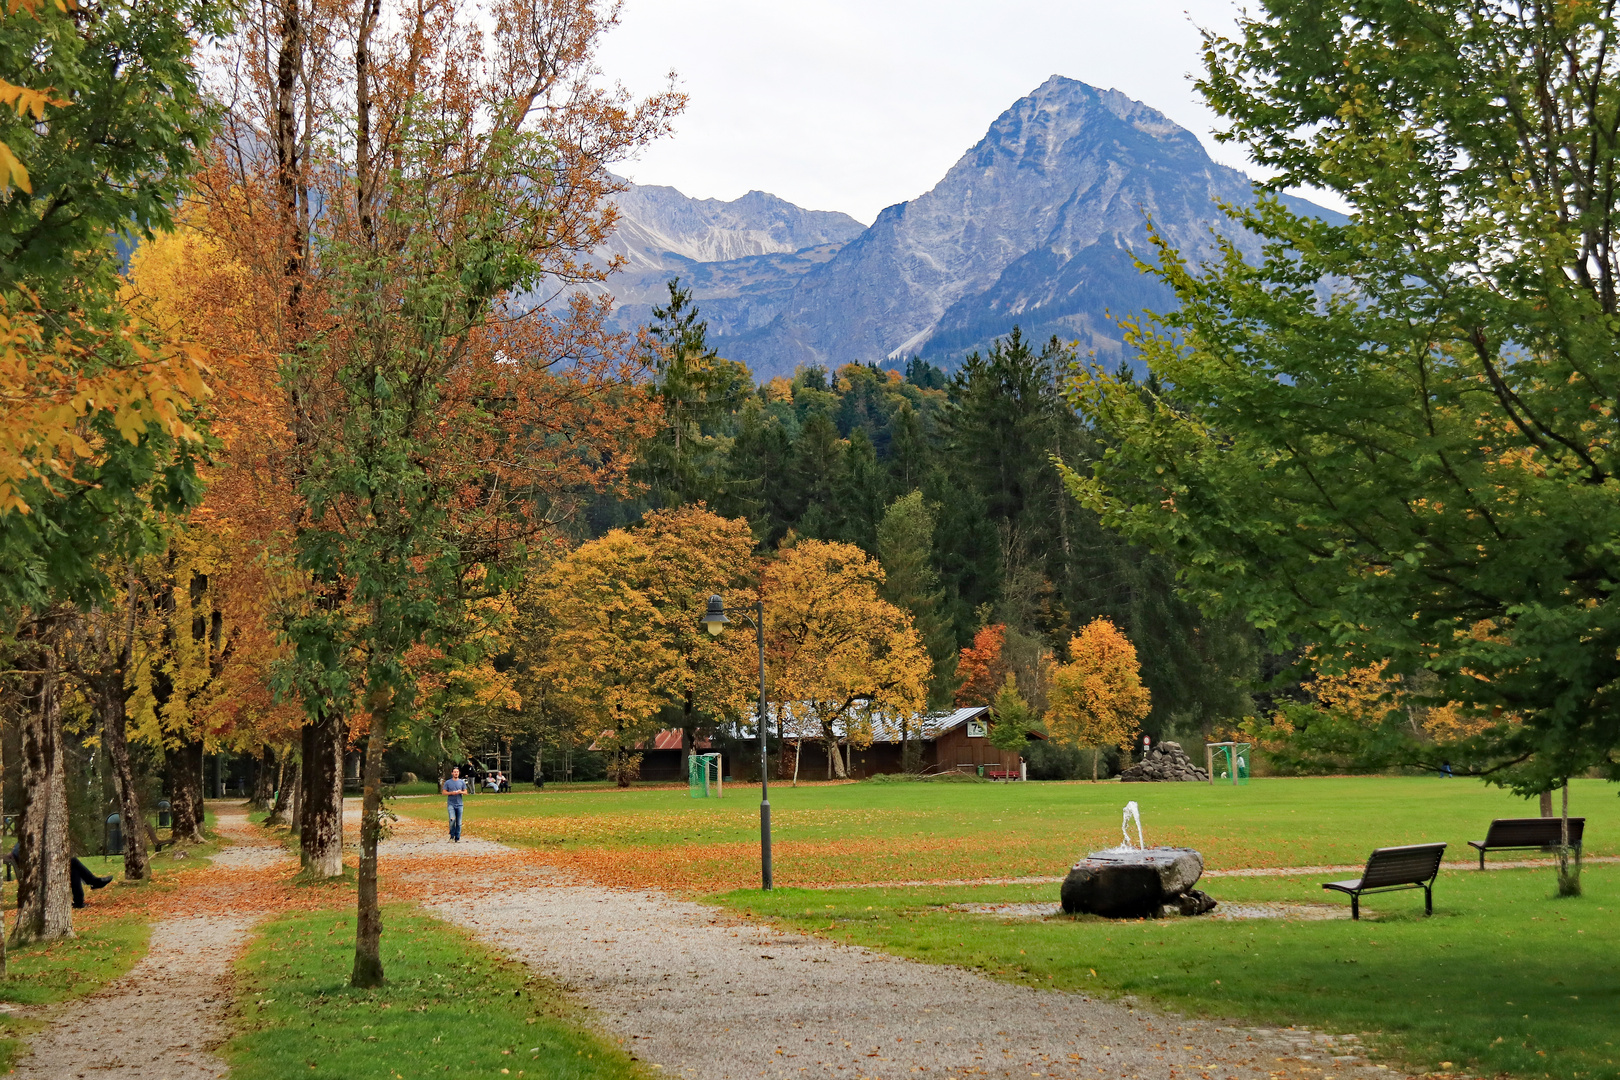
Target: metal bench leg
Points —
{"points": [[1428, 900], [1482, 858], [1355, 905]]}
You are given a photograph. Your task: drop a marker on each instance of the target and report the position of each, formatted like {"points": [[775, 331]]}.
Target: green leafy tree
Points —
{"points": [[905, 545], [1014, 719], [697, 389], [448, 438], [1394, 435]]}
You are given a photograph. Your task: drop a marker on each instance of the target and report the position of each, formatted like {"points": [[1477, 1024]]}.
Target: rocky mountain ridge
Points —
{"points": [[1039, 224]]}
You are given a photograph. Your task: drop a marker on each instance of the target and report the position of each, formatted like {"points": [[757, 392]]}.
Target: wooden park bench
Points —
{"points": [[1523, 833], [1391, 869]]}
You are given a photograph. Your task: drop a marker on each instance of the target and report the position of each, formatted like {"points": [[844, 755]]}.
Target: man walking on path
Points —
{"points": [[452, 790]]}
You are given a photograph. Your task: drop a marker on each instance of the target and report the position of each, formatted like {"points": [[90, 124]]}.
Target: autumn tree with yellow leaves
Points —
{"points": [[619, 644], [1097, 698], [99, 436], [836, 649]]}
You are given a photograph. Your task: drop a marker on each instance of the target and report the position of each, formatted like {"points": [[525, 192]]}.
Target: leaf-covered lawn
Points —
{"points": [[858, 833]]}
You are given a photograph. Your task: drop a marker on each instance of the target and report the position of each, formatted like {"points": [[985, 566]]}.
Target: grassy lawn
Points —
{"points": [[46, 974], [1503, 979], [854, 833], [451, 1007]]}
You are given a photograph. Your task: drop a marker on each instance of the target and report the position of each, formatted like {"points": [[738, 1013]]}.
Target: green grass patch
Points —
{"points": [[1503, 979], [451, 1007], [57, 971], [420, 787]]}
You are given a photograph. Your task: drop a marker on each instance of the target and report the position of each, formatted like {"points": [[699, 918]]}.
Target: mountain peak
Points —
{"points": [[1038, 224]]}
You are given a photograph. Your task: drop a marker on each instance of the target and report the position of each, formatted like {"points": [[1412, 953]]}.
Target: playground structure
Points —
{"points": [[1228, 762]]}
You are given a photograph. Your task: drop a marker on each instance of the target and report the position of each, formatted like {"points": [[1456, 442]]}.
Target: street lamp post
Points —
{"points": [[715, 620]]}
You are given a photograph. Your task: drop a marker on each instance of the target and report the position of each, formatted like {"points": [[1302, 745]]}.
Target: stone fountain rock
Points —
{"points": [[1134, 883]]}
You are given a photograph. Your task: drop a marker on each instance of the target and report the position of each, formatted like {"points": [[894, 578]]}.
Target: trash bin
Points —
{"points": [[113, 836]]}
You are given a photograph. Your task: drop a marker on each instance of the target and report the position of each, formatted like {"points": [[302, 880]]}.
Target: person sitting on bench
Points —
{"points": [[79, 875]]}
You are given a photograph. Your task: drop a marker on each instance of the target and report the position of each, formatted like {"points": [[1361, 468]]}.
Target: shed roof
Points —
{"points": [[886, 727]]}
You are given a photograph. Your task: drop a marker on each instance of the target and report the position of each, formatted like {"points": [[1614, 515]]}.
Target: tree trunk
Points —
{"points": [[185, 767], [368, 969], [1569, 864], [1096, 752], [321, 833], [833, 752], [286, 785], [539, 765], [44, 897], [295, 808], [686, 746], [1546, 803], [114, 728], [264, 780]]}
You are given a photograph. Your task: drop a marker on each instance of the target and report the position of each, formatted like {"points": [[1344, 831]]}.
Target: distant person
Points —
{"points": [[79, 875], [1445, 768], [452, 790], [501, 782]]}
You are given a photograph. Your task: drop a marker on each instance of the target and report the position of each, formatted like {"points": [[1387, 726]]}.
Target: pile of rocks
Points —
{"points": [[1167, 761]]}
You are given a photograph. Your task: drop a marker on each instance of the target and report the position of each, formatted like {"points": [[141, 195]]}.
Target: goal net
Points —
{"points": [[703, 776], [1231, 763]]}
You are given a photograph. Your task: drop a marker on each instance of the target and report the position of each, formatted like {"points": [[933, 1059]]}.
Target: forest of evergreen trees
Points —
{"points": [[990, 536]]}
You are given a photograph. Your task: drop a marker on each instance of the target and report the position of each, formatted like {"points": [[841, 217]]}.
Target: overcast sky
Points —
{"points": [[854, 105]]}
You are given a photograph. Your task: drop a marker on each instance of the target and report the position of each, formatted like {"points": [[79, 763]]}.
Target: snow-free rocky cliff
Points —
{"points": [[1038, 225]]}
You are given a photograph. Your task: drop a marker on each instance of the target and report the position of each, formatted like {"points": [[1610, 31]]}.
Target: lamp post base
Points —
{"points": [[765, 844]]}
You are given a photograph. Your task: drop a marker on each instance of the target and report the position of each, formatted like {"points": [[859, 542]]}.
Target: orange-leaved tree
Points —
{"points": [[982, 667], [1097, 699], [835, 648], [412, 188]]}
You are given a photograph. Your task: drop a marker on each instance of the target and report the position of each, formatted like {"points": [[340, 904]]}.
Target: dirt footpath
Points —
{"points": [[704, 995]]}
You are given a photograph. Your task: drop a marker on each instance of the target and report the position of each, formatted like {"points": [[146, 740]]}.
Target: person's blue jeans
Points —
{"points": [[455, 821]]}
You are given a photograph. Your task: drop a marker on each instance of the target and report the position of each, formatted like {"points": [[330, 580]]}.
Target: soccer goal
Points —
{"points": [[1228, 762], [703, 776]]}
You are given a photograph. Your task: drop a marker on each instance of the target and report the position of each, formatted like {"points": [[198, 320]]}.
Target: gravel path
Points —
{"points": [[703, 995], [156, 1023], [161, 1020]]}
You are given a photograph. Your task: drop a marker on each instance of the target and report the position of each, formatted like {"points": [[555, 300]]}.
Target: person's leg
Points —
{"points": [[455, 823], [84, 875], [77, 883]]}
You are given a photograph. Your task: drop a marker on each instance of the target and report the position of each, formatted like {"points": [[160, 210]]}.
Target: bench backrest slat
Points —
{"points": [[1402, 865], [1532, 832]]}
